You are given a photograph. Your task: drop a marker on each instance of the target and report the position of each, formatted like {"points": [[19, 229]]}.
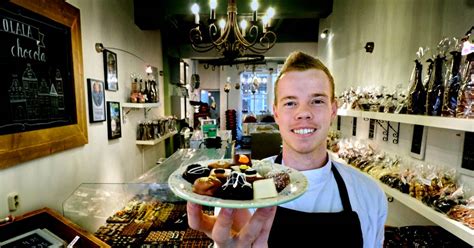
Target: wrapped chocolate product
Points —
{"points": [[452, 84], [435, 92], [417, 94], [465, 105]]}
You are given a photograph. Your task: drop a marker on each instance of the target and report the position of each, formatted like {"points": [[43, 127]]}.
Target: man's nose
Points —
{"points": [[304, 113]]}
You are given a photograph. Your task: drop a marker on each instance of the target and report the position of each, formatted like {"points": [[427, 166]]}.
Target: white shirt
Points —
{"points": [[366, 198]]}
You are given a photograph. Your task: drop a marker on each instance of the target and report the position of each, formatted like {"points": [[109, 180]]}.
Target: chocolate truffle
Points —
{"points": [[195, 171], [236, 188]]}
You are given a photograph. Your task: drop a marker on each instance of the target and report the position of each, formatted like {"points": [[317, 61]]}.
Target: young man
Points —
{"points": [[341, 208]]}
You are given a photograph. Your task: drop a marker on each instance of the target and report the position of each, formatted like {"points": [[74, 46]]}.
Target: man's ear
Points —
{"points": [[275, 113]]}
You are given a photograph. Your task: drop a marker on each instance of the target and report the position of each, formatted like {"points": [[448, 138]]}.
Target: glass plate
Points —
{"points": [[295, 189]]}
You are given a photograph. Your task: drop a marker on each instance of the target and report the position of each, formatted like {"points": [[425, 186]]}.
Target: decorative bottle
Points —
{"points": [[417, 94]]}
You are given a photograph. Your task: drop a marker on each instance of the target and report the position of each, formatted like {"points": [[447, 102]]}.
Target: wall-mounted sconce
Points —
{"points": [[99, 47], [324, 34], [369, 47]]}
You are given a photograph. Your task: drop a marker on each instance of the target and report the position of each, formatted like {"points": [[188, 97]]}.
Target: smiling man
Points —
{"points": [[341, 207]]}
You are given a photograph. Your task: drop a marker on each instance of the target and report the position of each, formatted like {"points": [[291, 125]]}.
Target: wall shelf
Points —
{"points": [[140, 105], [429, 121], [145, 106], [455, 227], [349, 112], [156, 141]]}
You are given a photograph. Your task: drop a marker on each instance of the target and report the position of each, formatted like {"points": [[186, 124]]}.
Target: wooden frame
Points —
{"points": [[110, 70], [114, 127], [54, 222], [96, 97], [24, 146]]}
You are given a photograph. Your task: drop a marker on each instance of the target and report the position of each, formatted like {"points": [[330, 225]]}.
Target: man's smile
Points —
{"points": [[303, 130]]}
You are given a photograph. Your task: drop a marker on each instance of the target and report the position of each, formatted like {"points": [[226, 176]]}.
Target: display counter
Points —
{"points": [[143, 209]]}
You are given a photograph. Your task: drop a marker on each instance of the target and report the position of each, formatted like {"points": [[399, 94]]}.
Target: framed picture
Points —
{"points": [[114, 128], [95, 91], [110, 70]]}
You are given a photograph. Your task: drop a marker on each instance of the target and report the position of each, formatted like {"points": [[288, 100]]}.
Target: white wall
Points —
{"points": [[50, 180], [398, 28]]}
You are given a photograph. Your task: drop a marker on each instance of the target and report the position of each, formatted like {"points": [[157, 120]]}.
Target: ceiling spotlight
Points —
{"points": [[324, 34]]}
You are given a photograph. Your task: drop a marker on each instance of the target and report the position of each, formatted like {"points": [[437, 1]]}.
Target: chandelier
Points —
{"points": [[228, 38]]}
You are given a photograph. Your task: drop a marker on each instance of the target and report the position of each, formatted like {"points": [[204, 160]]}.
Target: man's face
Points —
{"points": [[304, 110]]}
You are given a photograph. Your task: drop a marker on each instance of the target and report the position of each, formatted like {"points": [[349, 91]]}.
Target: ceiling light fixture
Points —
{"points": [[324, 34], [228, 38]]}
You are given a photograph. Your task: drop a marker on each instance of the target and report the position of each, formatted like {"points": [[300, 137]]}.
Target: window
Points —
{"points": [[254, 92]]}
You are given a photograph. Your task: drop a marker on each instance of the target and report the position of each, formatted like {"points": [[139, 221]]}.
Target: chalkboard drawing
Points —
{"points": [[53, 97], [43, 99], [17, 100], [30, 86], [59, 89], [35, 100]]}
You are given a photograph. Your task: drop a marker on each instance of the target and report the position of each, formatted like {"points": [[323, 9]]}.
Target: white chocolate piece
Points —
{"points": [[264, 188]]}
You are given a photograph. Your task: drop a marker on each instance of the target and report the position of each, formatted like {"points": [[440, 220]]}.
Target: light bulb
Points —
{"points": [[254, 5], [270, 12], [195, 8], [243, 24], [213, 4], [222, 23]]}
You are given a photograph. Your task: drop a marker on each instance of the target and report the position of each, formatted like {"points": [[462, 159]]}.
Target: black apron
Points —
{"points": [[293, 228]]}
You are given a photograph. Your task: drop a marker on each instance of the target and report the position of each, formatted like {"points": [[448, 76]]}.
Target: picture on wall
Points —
{"points": [[95, 91], [110, 70], [114, 128]]}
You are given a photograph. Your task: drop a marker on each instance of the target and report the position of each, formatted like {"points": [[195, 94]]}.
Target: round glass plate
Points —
{"points": [[295, 189]]}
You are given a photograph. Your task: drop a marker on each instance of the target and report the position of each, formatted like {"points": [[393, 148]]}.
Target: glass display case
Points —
{"points": [[140, 208]]}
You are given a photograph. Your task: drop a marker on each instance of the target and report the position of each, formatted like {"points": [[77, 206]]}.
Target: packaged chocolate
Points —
{"points": [[465, 105], [435, 93], [452, 86]]}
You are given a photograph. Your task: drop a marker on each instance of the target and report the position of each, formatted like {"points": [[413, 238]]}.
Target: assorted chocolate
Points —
{"points": [[148, 222], [435, 186], [236, 180], [420, 236]]}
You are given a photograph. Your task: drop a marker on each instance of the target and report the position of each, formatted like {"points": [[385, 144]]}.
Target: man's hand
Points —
{"points": [[233, 227]]}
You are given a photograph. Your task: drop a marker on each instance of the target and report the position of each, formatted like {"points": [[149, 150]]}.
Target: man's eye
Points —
{"points": [[289, 104], [317, 101]]}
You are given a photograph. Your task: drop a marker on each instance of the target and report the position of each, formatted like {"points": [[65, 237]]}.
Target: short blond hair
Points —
{"points": [[299, 61]]}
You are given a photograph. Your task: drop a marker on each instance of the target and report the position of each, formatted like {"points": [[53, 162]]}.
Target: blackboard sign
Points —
{"points": [[42, 104], [37, 91]]}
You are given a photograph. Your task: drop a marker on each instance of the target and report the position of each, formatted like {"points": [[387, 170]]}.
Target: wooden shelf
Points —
{"points": [[429, 121], [140, 105], [155, 141]]}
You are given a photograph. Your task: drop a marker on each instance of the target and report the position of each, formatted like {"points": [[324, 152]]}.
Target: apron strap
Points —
{"points": [[346, 204]]}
